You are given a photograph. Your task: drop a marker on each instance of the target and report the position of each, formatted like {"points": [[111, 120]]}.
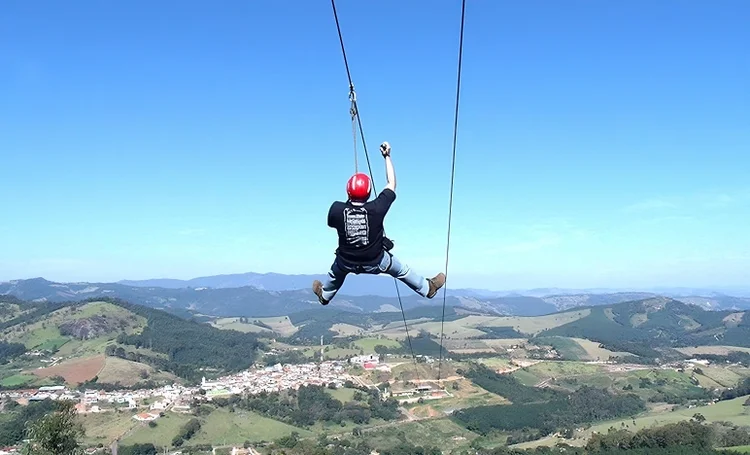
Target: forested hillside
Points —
{"points": [[88, 328], [642, 327]]}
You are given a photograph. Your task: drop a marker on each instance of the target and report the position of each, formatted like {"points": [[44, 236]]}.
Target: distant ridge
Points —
{"points": [[272, 294]]}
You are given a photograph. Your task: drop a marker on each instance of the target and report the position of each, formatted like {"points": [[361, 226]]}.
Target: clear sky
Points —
{"points": [[600, 143]]}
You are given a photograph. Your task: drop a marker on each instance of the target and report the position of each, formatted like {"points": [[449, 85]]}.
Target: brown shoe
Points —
{"points": [[435, 283], [318, 290]]}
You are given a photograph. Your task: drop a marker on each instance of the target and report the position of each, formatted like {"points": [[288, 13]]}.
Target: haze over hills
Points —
{"points": [[363, 285], [248, 300]]}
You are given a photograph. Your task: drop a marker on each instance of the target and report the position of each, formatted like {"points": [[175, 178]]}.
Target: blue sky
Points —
{"points": [[600, 143]]}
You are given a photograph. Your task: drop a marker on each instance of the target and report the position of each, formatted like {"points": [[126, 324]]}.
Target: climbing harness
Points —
{"points": [[357, 124]]}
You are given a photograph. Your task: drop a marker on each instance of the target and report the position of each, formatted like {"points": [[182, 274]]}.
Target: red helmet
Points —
{"points": [[358, 187]]}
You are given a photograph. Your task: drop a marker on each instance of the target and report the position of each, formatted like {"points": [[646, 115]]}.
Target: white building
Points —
{"points": [[362, 359]]}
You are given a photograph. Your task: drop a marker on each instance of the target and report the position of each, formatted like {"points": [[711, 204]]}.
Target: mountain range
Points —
{"points": [[365, 285], [260, 295]]}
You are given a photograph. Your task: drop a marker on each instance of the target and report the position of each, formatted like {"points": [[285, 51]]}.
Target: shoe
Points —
{"points": [[435, 283], [318, 290]]}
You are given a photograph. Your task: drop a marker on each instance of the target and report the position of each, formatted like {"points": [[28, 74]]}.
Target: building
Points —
{"points": [[145, 417], [362, 359]]}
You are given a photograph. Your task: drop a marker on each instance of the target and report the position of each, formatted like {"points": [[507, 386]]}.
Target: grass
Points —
{"points": [[569, 349], [495, 362], [466, 396], [17, 380], [444, 433], [129, 373], [561, 369], [730, 410], [346, 330], [222, 426], [343, 394], [368, 344], [452, 329], [281, 325], [724, 377], [526, 325], [526, 377], [740, 449], [106, 427], [408, 371], [166, 429], [595, 352]]}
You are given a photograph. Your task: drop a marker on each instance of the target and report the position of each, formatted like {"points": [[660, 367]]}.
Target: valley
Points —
{"points": [[655, 361]]}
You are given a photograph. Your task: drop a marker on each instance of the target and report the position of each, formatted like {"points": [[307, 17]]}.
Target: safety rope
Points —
{"points": [[353, 112], [355, 115], [453, 173]]}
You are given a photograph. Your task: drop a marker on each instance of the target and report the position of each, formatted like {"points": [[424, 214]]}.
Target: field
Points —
{"points": [[103, 428], [527, 325], [468, 327], [74, 371], [346, 330], [167, 427], [444, 433], [223, 427], [368, 344], [281, 325], [220, 427], [466, 395], [730, 410], [129, 373], [594, 352], [342, 394], [17, 380], [568, 348]]}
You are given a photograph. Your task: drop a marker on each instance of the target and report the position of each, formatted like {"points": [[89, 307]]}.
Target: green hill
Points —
{"points": [[646, 327], [73, 340]]}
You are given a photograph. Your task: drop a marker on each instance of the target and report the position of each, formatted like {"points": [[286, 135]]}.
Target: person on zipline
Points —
{"points": [[363, 247]]}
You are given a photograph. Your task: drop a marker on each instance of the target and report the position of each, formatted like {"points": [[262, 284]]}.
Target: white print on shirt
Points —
{"points": [[356, 226]]}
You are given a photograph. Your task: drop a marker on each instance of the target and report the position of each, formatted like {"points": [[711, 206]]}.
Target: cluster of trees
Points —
{"points": [[190, 345], [285, 357], [742, 389], [499, 332], [585, 405], [9, 351], [541, 409], [186, 432], [742, 358], [292, 444], [507, 386], [13, 429], [311, 404], [684, 434], [50, 427]]}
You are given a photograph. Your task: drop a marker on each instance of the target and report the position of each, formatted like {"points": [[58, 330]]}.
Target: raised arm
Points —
{"points": [[390, 173]]}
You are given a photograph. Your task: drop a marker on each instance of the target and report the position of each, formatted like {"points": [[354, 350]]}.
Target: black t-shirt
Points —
{"points": [[360, 228]]}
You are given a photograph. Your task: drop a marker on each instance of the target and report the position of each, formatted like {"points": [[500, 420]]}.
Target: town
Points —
{"points": [[179, 398]]}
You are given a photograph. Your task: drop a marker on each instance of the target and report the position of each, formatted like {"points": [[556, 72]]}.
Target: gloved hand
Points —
{"points": [[385, 149]]}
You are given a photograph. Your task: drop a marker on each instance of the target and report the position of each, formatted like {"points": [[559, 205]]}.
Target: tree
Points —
{"points": [[56, 433]]}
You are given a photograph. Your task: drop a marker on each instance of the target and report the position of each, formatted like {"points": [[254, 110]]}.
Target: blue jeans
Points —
{"points": [[389, 264]]}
